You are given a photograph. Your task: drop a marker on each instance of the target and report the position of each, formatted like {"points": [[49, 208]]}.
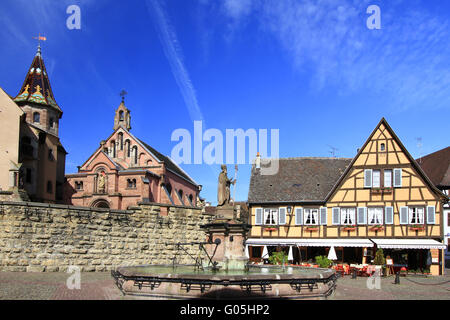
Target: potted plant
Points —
{"points": [[377, 227], [379, 260], [349, 227], [376, 190], [278, 258], [387, 190], [323, 261], [417, 227]]}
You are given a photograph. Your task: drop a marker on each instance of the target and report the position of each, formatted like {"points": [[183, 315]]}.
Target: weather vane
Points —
{"points": [[39, 38], [123, 93]]}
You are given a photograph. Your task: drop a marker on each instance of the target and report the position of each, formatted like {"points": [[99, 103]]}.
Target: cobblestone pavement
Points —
{"points": [[100, 286], [411, 287]]}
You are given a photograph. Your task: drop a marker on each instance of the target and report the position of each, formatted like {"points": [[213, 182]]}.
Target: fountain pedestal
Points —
{"points": [[230, 254]]}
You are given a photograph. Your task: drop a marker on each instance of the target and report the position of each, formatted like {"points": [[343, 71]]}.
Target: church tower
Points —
{"points": [[41, 153], [122, 117], [36, 98]]}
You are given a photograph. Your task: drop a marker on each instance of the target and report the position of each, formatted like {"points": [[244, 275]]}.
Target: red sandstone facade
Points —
{"points": [[124, 171]]}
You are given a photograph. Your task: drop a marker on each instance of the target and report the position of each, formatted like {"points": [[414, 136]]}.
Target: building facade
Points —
{"points": [[379, 199], [124, 171], [35, 160], [437, 167]]}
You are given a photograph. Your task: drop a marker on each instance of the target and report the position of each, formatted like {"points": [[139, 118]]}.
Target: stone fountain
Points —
{"points": [[226, 273]]}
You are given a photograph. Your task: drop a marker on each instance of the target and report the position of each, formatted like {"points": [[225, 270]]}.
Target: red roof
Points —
{"points": [[437, 167], [36, 87]]}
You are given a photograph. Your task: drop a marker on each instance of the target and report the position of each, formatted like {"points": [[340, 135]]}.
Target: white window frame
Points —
{"points": [[416, 217], [348, 213], [311, 213], [386, 185], [273, 213], [376, 178], [375, 213]]}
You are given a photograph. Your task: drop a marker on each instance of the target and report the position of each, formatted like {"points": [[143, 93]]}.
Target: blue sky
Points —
{"points": [[311, 69]]}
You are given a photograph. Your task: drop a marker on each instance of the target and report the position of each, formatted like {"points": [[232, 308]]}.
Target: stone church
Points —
{"points": [[124, 171], [32, 158]]}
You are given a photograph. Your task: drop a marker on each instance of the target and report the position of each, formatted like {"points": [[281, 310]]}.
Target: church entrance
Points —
{"points": [[100, 204]]}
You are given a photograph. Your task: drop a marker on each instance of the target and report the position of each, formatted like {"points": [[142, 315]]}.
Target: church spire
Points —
{"points": [[36, 87], [122, 117]]}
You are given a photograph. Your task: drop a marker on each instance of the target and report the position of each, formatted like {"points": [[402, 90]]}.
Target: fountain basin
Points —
{"points": [[257, 282]]}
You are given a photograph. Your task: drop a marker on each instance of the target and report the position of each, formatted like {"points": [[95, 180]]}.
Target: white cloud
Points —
{"points": [[174, 54], [404, 63]]}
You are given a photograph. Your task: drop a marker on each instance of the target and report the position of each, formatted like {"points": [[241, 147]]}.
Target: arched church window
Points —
{"points": [[37, 117], [113, 145], [121, 140], [135, 155], [128, 147]]}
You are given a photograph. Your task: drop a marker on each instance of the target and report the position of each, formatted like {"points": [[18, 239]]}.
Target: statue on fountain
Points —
{"points": [[223, 190]]}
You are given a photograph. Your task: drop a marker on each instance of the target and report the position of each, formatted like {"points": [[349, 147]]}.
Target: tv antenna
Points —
{"points": [[333, 151]]}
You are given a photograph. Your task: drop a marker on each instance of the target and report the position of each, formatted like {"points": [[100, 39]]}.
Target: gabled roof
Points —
{"points": [[36, 87], [170, 165], [408, 155], [437, 167], [306, 179]]}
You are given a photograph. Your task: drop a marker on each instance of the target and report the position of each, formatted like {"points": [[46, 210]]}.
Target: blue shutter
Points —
{"points": [[258, 216], [403, 215], [298, 216], [397, 178], [282, 216], [431, 213], [336, 217], [389, 215], [362, 215], [368, 178], [323, 216]]}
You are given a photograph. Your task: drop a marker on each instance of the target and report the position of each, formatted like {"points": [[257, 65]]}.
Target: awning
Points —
{"points": [[408, 244], [365, 243]]}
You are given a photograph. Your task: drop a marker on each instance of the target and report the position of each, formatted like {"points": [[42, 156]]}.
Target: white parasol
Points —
{"points": [[265, 254], [332, 254], [290, 255]]}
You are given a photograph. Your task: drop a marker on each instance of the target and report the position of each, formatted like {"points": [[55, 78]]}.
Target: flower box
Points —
{"points": [[312, 229], [387, 190], [377, 190], [270, 229], [348, 228], [417, 228], [376, 228]]}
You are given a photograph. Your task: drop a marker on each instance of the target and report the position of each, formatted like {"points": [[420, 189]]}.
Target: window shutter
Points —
{"points": [[431, 213], [397, 177], [282, 216], [299, 216], [336, 215], [389, 215], [323, 216], [368, 178], [258, 218], [362, 215], [403, 215]]}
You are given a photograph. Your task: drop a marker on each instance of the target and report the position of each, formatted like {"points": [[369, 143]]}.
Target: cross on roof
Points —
{"points": [[123, 93]]}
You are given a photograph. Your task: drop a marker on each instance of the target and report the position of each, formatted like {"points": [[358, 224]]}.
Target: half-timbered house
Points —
{"points": [[379, 199]]}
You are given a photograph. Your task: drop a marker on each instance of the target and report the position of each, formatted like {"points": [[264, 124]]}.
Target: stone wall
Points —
{"points": [[48, 237]]}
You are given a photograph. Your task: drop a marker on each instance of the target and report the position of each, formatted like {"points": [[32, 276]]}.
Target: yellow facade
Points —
{"points": [[385, 154]]}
